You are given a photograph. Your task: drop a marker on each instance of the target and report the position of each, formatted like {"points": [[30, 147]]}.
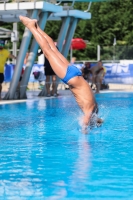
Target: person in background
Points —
{"points": [[26, 58], [49, 73], [86, 71], [4, 55], [99, 79], [98, 73], [40, 76]]}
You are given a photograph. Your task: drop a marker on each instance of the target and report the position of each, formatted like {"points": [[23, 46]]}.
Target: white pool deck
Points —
{"points": [[33, 93]]}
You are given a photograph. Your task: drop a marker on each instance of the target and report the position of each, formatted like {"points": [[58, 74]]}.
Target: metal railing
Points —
{"points": [[56, 2], [19, 1]]}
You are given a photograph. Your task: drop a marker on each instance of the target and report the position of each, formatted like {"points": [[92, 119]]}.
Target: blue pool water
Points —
{"points": [[43, 155]]}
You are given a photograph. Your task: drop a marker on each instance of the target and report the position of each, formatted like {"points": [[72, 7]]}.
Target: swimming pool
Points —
{"points": [[43, 154]]}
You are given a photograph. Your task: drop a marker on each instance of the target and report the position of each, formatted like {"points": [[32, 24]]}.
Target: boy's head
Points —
{"points": [[95, 121], [100, 64]]}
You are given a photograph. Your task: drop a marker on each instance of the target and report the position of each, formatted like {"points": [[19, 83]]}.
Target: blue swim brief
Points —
{"points": [[72, 71]]}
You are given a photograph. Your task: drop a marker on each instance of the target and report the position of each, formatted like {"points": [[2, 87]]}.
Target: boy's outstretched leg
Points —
{"points": [[49, 39], [52, 45], [56, 63]]}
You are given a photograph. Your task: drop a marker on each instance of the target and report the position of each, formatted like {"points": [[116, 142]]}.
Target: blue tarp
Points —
{"points": [[9, 70], [119, 73], [116, 72]]}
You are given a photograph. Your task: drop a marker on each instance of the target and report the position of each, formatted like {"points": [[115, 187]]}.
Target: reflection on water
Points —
{"points": [[80, 171], [82, 165]]}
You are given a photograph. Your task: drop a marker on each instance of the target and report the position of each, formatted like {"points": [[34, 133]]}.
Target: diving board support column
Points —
{"points": [[70, 34], [60, 41], [19, 64], [63, 32], [75, 16], [32, 55]]}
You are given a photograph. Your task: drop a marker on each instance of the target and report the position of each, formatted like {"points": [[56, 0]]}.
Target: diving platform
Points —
{"points": [[9, 12], [42, 11]]}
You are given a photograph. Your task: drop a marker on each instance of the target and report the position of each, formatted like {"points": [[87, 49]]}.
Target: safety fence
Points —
{"points": [[116, 52]]}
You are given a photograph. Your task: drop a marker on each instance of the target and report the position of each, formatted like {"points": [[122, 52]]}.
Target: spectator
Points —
{"points": [[86, 71], [26, 58], [100, 78], [49, 73], [40, 77], [4, 55], [98, 73]]}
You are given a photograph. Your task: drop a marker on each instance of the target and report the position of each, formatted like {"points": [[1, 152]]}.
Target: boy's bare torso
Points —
{"points": [[83, 94]]}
